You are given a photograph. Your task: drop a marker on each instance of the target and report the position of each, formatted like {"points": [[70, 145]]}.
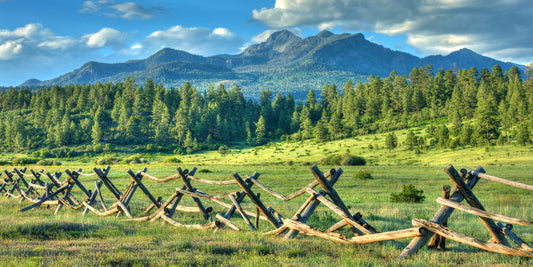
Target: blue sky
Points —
{"points": [[44, 39]]}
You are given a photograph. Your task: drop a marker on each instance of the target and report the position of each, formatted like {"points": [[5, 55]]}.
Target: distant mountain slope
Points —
{"points": [[284, 62], [465, 59]]}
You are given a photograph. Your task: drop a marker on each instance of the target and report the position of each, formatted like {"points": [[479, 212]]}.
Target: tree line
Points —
{"points": [[479, 107]]}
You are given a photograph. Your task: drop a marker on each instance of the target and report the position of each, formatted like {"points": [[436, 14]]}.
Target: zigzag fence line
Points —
{"points": [[53, 192]]}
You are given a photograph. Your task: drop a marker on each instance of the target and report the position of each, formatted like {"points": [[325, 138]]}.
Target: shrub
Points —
{"points": [[47, 162], [409, 194], [107, 160], [204, 171], [108, 148], [24, 161], [150, 147], [363, 175], [45, 153], [223, 149], [134, 159], [343, 159], [98, 148], [173, 160]]}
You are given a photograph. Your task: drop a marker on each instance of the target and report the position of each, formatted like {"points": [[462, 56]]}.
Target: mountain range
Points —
{"points": [[283, 63]]}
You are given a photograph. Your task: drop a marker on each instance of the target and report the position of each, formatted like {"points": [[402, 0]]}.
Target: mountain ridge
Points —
{"points": [[325, 57]]}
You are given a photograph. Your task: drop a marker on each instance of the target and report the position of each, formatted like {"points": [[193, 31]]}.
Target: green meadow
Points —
{"points": [[39, 238]]}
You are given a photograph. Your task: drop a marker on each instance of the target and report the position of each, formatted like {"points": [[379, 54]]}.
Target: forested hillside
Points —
{"points": [[465, 107]]}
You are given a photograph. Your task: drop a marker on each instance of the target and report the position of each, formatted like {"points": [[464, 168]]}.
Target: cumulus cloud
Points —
{"points": [[10, 49], [34, 49], [259, 38], [37, 49], [495, 28], [34, 39], [105, 37], [128, 10], [194, 40]]}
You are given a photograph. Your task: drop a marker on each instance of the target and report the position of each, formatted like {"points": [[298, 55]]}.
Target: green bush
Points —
{"points": [[204, 171], [343, 159], [223, 149], [409, 194], [134, 159], [363, 175], [47, 162], [107, 160], [98, 148], [24, 161], [173, 160]]}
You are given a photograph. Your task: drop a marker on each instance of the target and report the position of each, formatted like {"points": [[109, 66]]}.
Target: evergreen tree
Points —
{"points": [[189, 142], [335, 126], [306, 126], [410, 140], [443, 135], [181, 124], [160, 121], [321, 130], [522, 135], [260, 131], [249, 138], [391, 141], [96, 133], [486, 114]]}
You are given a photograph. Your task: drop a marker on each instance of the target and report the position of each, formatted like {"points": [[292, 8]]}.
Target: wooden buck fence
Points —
{"points": [[40, 188]]}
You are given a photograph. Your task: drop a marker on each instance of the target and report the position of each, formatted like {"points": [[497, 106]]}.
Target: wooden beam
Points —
{"points": [[507, 231], [241, 211], [137, 180], [438, 240], [308, 230], [103, 177], [385, 236], [307, 209], [256, 201], [187, 184], [483, 213], [458, 237], [500, 180], [441, 216], [346, 215], [474, 202], [227, 222], [330, 191]]}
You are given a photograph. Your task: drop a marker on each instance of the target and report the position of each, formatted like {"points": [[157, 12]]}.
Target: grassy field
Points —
{"points": [[38, 237]]}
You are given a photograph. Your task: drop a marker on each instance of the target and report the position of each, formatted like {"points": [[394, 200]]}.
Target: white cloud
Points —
{"points": [[58, 43], [33, 30], [10, 49], [38, 51], [33, 50], [194, 40], [264, 35], [438, 26], [35, 39], [105, 37], [127, 10]]}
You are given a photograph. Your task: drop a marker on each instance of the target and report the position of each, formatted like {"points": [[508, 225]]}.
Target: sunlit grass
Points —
{"points": [[38, 237]]}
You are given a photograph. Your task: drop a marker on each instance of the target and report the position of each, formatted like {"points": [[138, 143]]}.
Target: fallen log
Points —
{"points": [[461, 238]]}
